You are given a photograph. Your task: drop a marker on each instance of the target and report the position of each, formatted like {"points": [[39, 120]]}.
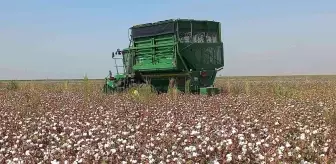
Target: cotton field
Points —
{"points": [[42, 126]]}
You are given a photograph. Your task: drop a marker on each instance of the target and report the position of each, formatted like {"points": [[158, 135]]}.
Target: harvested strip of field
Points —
{"points": [[42, 126]]}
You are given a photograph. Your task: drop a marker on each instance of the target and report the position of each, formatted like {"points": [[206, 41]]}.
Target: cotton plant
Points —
{"points": [[115, 129]]}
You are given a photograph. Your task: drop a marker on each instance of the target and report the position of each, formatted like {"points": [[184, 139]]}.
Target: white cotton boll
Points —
{"points": [[241, 142], [315, 132], [312, 144], [229, 141], [244, 149], [261, 157], [215, 161], [125, 133], [207, 139], [234, 131], [132, 147], [241, 137], [55, 162], [168, 125], [210, 148], [194, 132], [198, 126], [325, 149], [299, 156], [280, 150], [240, 157], [287, 144], [277, 139], [106, 145], [266, 145], [229, 157], [302, 136]]}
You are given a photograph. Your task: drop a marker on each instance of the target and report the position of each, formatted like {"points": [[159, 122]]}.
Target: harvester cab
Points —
{"points": [[116, 82], [119, 53]]}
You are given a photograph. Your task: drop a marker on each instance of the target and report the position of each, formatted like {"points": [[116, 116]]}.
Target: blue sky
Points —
{"points": [[66, 39]]}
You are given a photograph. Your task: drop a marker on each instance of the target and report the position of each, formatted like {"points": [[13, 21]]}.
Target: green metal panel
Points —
{"points": [[200, 44], [199, 56], [154, 53]]}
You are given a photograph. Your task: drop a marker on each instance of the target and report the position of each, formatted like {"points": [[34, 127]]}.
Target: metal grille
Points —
{"points": [[185, 37], [212, 55], [199, 37], [211, 37]]}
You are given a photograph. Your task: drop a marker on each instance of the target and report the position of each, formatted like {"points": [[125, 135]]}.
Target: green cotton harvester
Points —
{"points": [[181, 53]]}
